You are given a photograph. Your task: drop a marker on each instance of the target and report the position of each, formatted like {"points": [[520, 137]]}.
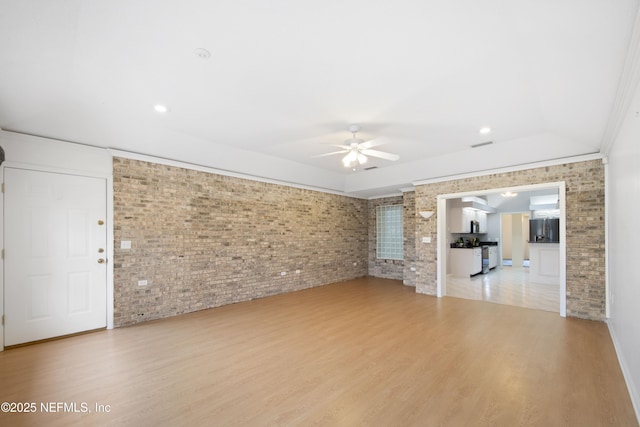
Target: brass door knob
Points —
{"points": [[100, 250], [101, 261]]}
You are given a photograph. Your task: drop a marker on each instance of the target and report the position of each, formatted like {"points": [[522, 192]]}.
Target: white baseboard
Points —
{"points": [[631, 386]]}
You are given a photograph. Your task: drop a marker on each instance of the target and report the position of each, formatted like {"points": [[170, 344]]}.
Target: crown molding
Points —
{"points": [[626, 90]]}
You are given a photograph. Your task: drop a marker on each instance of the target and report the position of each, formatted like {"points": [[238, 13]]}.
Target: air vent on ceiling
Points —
{"points": [[370, 167], [482, 144]]}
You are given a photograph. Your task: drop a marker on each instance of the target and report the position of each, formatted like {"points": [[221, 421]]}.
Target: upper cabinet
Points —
{"points": [[467, 209], [461, 220], [481, 217]]}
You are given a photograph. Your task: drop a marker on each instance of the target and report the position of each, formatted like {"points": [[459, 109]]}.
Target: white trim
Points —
{"points": [[515, 168], [407, 189], [207, 169], [562, 200], [64, 171], [110, 255], [634, 393], [384, 196], [441, 249], [442, 227], [2, 260]]}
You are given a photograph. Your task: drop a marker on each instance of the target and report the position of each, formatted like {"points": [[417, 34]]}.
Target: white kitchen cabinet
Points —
{"points": [[465, 262], [493, 256], [481, 217], [461, 218]]}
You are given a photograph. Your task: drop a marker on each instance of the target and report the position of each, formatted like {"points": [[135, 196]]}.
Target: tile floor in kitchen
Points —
{"points": [[506, 285]]}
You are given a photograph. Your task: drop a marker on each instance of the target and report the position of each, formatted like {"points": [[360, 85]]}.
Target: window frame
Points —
{"points": [[390, 236]]}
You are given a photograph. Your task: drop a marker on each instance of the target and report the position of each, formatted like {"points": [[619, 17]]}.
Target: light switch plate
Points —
{"points": [[426, 240], [125, 244]]}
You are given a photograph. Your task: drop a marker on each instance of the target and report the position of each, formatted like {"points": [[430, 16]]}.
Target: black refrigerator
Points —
{"points": [[544, 230]]}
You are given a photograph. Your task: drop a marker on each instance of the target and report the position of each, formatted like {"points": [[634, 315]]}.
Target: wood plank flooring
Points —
{"points": [[365, 352]]}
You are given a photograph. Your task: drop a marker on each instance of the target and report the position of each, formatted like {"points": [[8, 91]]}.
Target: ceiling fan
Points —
{"points": [[357, 150]]}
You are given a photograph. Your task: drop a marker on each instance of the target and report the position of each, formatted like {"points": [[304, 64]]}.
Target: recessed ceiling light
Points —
{"points": [[509, 194], [160, 108], [485, 130]]}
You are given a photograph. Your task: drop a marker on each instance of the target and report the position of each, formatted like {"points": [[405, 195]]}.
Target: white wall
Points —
{"points": [[624, 250]]}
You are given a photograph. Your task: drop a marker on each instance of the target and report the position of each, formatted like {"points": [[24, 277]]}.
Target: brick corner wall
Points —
{"points": [[203, 240]]}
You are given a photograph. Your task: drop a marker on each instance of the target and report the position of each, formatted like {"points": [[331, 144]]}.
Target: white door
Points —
{"points": [[55, 241]]}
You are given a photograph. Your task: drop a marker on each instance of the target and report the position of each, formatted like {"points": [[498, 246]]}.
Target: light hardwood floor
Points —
{"points": [[506, 285], [368, 352]]}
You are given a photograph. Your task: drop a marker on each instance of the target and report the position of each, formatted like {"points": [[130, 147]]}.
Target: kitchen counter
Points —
{"points": [[465, 262], [544, 262]]}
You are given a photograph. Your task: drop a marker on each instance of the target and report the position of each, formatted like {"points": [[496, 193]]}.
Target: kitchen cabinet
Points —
{"points": [[461, 218], [493, 256], [465, 262], [544, 263], [481, 217]]}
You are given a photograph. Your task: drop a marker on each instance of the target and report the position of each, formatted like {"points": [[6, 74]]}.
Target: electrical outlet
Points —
{"points": [[125, 244], [284, 273], [297, 271], [142, 283]]}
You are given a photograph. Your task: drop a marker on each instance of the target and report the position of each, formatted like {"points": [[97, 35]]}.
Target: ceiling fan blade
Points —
{"points": [[381, 154], [374, 142], [332, 153]]}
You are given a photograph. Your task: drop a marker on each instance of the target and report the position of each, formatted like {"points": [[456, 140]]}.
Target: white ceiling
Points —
{"points": [[286, 78]]}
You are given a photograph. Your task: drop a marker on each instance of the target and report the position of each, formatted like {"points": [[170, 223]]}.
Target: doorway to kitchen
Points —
{"points": [[514, 235], [502, 283]]}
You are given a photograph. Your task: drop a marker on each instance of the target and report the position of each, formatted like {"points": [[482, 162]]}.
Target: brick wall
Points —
{"points": [[203, 240], [585, 228], [385, 268], [409, 203]]}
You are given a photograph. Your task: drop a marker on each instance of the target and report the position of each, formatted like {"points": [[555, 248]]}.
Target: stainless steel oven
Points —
{"points": [[485, 259]]}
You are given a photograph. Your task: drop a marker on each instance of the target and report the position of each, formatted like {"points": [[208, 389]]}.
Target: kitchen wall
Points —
{"points": [[203, 240], [584, 221]]}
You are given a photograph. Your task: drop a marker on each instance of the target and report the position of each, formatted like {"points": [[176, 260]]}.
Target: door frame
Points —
{"points": [[109, 218], [442, 229]]}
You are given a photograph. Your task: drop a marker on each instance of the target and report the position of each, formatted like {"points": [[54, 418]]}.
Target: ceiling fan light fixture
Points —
{"points": [[358, 151], [350, 158]]}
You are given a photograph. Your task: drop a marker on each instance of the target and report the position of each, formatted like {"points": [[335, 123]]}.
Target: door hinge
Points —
{"points": [[3, 320], [3, 254], [3, 187]]}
